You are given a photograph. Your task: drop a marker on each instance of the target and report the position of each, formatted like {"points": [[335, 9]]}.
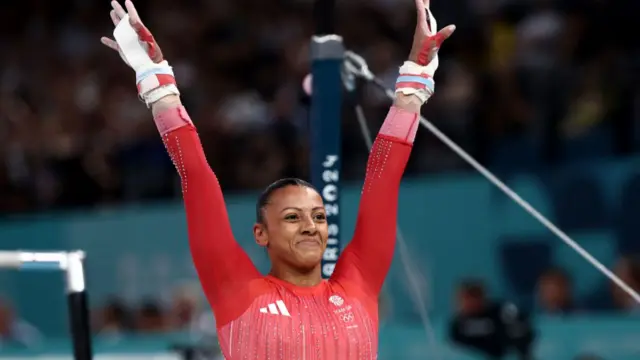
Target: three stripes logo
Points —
{"points": [[276, 309]]}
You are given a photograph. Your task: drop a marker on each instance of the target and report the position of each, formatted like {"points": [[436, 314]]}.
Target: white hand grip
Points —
{"points": [[131, 49]]}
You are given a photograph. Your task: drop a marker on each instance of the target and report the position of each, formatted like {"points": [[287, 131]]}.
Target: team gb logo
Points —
{"points": [[336, 300]]}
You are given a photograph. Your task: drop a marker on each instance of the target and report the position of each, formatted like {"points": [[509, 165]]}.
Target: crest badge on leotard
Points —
{"points": [[336, 300]]}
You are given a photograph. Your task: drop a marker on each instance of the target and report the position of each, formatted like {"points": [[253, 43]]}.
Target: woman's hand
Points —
{"points": [[426, 39]]}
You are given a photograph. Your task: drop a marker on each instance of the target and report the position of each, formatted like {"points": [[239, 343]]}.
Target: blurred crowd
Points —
{"points": [[513, 327], [516, 73], [556, 293], [184, 311]]}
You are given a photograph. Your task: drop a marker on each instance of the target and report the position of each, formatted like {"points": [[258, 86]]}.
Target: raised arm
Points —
{"points": [[367, 258], [223, 267]]}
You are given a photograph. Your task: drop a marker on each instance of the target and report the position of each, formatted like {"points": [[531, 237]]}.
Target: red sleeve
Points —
{"points": [[222, 265], [366, 260]]}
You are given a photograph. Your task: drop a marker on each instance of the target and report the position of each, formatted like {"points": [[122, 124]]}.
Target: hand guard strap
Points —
{"points": [[414, 80], [154, 81]]}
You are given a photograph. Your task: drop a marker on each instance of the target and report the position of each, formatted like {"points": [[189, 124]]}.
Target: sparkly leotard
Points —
{"points": [[261, 317]]}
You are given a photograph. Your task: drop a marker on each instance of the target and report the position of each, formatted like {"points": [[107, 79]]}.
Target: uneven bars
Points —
{"points": [[72, 264]]}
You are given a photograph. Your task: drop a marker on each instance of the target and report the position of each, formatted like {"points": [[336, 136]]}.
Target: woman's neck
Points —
{"points": [[296, 277]]}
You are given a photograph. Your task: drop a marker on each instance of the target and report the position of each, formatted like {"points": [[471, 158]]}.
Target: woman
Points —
{"points": [[291, 313]]}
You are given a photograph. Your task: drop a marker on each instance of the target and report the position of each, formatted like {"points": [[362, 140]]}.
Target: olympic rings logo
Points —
{"points": [[348, 317]]}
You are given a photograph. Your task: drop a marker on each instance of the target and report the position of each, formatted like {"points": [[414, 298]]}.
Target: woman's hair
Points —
{"points": [[264, 198]]}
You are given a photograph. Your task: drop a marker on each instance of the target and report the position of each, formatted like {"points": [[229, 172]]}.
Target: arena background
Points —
{"points": [[543, 92]]}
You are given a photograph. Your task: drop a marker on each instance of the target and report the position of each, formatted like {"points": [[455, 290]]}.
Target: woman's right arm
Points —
{"points": [[221, 263], [223, 267]]}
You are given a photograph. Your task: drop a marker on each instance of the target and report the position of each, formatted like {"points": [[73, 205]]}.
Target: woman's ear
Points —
{"points": [[260, 234]]}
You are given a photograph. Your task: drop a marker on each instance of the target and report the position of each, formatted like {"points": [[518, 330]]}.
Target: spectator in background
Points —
{"points": [[16, 331], [555, 292], [188, 314], [113, 319], [185, 307], [474, 326], [628, 270], [151, 318], [493, 329]]}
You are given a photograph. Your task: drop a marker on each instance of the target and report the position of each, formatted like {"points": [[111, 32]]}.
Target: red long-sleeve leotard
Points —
{"points": [[261, 317]]}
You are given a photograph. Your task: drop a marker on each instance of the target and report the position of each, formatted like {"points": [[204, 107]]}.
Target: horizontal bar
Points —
{"points": [[10, 259], [37, 260], [43, 266]]}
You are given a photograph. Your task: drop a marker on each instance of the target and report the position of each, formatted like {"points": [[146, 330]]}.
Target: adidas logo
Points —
{"points": [[276, 309]]}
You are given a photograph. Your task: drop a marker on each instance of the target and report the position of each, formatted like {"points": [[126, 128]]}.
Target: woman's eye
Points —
{"points": [[291, 217], [320, 217]]}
